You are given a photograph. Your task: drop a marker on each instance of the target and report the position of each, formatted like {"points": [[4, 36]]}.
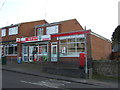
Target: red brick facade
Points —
{"points": [[24, 30], [97, 47], [70, 25], [100, 48]]}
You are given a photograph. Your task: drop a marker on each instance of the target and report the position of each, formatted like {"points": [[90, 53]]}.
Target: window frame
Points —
{"points": [[52, 29], [3, 34], [40, 31], [76, 53], [6, 49], [13, 31]]}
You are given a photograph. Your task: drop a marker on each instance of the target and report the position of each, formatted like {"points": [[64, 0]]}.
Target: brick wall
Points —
{"points": [[10, 37], [25, 30], [70, 61], [100, 48], [70, 25], [65, 26]]}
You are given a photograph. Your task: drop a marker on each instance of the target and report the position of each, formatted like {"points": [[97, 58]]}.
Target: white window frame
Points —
{"points": [[7, 52], [40, 31], [52, 29], [3, 33], [73, 55], [13, 31]]}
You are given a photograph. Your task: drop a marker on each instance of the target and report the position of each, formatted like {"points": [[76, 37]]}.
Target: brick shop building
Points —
{"points": [[53, 42], [10, 48]]}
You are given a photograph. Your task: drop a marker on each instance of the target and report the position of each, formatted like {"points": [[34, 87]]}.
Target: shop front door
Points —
{"points": [[25, 54], [54, 53], [31, 53]]}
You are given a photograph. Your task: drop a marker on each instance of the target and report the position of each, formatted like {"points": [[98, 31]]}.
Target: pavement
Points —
{"points": [[38, 69]]}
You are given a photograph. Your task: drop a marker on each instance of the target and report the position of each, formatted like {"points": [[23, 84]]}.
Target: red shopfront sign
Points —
{"points": [[33, 39], [18, 40], [27, 39]]}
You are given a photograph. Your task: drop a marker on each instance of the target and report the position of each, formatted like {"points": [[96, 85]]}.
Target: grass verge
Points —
{"points": [[102, 77]]}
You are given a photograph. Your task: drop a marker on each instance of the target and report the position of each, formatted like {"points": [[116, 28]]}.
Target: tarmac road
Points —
{"points": [[19, 80]]}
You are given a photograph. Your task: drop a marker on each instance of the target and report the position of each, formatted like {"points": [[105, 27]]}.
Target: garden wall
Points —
{"points": [[106, 67]]}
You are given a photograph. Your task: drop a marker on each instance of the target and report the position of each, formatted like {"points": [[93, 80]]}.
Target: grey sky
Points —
{"points": [[101, 16]]}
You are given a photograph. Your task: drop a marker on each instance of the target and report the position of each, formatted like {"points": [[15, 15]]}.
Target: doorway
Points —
{"points": [[25, 54], [31, 50], [54, 54]]}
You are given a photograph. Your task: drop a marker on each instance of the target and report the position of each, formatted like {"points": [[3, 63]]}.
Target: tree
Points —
{"points": [[116, 39], [116, 35]]}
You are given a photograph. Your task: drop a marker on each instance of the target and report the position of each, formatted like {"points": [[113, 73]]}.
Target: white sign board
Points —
{"points": [[71, 36], [45, 37]]}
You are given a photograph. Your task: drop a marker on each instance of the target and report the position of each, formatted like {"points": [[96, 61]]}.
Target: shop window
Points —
{"points": [[72, 47], [63, 41], [10, 49], [63, 49], [71, 40], [80, 39], [6, 50], [15, 51], [44, 49], [80, 47]]}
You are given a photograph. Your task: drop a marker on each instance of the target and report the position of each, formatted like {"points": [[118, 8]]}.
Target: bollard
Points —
{"points": [[3, 60]]}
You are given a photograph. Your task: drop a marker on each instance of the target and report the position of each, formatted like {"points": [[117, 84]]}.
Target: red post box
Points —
{"points": [[82, 59]]}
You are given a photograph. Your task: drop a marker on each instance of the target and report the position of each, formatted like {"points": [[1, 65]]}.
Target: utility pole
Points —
{"points": [[0, 46], [86, 66]]}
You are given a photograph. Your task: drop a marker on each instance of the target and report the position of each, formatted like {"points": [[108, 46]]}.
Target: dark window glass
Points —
{"points": [[10, 50], [15, 48]]}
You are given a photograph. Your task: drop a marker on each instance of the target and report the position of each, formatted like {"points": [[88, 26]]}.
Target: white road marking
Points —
{"points": [[48, 83], [55, 82], [59, 81]]}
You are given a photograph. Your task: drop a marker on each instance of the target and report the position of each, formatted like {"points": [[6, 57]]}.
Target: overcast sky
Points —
{"points": [[101, 16]]}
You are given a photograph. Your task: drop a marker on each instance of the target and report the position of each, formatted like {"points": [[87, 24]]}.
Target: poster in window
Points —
{"points": [[63, 50]]}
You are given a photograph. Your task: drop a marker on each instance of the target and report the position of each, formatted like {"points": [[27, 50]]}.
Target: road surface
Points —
{"points": [[19, 80]]}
